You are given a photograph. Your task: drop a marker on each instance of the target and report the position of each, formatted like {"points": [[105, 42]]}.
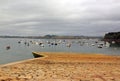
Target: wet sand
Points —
{"points": [[60, 66]]}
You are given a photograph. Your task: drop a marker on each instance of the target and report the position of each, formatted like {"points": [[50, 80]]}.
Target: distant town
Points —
{"points": [[54, 37]]}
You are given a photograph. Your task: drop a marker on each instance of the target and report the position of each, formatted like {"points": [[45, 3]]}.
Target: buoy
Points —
{"points": [[8, 47]]}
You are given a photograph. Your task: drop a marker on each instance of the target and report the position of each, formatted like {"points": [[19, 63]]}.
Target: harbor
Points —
{"points": [[22, 48]]}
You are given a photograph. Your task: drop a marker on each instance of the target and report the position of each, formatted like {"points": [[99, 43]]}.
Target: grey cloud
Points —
{"points": [[40, 17]]}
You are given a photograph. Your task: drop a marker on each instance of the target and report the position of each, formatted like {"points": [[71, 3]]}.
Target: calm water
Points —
{"points": [[22, 51]]}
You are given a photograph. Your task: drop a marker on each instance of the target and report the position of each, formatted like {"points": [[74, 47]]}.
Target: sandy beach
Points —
{"points": [[61, 66]]}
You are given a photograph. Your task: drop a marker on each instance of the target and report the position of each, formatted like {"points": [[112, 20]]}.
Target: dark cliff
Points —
{"points": [[113, 38]]}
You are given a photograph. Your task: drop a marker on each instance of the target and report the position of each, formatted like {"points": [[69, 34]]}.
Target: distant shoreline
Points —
{"points": [[54, 37]]}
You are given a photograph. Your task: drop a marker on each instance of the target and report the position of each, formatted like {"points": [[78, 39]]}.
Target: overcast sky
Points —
{"points": [[59, 17]]}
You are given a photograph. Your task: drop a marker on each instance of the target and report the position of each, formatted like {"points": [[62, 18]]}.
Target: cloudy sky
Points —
{"points": [[59, 17]]}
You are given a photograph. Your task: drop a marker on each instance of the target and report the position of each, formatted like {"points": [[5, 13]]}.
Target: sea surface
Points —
{"points": [[22, 48]]}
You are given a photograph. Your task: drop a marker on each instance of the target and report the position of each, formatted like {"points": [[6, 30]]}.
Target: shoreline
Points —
{"points": [[63, 66], [44, 55]]}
